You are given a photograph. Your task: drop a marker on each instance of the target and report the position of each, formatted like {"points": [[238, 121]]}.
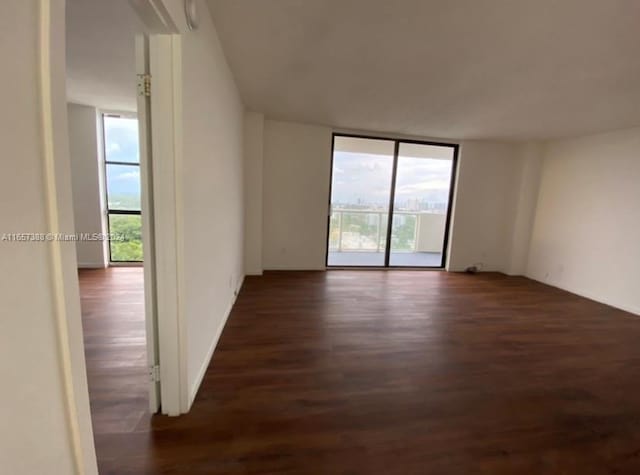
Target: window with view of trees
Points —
{"points": [[122, 173]]}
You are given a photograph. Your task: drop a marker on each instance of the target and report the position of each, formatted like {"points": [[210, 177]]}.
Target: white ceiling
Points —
{"points": [[100, 53], [503, 69]]}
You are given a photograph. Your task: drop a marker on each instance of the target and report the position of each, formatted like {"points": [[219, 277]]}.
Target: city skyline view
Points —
{"points": [[361, 179]]}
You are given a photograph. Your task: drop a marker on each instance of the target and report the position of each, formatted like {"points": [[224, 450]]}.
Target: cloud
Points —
{"points": [[132, 175], [121, 139], [422, 186], [365, 178]]}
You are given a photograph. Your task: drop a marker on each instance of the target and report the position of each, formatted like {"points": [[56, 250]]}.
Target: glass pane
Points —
{"points": [[121, 139], [360, 192], [126, 237], [123, 187], [420, 205]]}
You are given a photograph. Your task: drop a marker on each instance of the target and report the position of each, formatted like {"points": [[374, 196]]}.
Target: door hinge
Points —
{"points": [[154, 373], [144, 85]]}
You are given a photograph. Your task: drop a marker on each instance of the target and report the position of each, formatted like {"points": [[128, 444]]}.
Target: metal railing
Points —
{"points": [[361, 230]]}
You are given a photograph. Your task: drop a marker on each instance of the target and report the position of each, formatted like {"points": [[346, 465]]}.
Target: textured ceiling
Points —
{"points": [[501, 69]]}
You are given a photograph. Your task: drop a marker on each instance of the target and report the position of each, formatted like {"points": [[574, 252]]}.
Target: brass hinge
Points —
{"points": [[144, 85]]}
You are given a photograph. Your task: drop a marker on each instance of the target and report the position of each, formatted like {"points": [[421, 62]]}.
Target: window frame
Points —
{"points": [[452, 186], [106, 162]]}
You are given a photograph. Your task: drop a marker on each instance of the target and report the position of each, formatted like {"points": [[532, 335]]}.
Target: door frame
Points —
{"points": [[160, 18], [397, 142], [147, 221], [165, 66]]}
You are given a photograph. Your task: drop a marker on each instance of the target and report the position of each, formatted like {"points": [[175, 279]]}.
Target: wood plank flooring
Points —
{"points": [[367, 372], [112, 303]]}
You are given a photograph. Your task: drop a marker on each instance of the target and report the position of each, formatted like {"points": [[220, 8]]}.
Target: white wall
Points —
{"points": [[587, 225], [253, 167], [482, 221], [430, 231], [38, 281], [211, 193], [528, 158], [297, 160], [85, 182]]}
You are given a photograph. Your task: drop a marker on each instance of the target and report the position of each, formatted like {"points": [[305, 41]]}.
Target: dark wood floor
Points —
{"points": [[377, 372], [115, 349]]}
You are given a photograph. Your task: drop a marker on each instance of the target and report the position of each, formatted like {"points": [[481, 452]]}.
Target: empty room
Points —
{"points": [[353, 236]]}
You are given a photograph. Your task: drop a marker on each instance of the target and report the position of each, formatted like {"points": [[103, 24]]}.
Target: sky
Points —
{"points": [[357, 177], [365, 177], [121, 145]]}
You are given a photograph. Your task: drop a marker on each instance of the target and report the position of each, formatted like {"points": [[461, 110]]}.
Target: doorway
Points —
{"points": [[107, 51], [390, 202]]}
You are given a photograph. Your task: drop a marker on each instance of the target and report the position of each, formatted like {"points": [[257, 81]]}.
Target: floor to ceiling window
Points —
{"points": [[122, 177], [390, 202]]}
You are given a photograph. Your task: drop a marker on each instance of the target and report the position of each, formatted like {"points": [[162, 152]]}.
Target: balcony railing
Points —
{"points": [[356, 230]]}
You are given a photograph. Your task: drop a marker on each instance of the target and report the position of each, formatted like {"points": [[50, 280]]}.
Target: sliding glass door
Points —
{"points": [[360, 197], [421, 204], [390, 202]]}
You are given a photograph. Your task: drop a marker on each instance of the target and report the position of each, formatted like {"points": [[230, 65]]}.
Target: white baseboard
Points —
{"points": [[484, 269], [590, 295], [214, 343], [91, 265], [295, 269]]}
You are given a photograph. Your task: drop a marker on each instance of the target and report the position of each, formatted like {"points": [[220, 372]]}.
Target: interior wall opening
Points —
{"points": [[109, 136]]}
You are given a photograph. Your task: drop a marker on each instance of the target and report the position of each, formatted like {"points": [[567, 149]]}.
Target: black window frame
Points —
{"points": [[397, 142], [106, 164]]}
